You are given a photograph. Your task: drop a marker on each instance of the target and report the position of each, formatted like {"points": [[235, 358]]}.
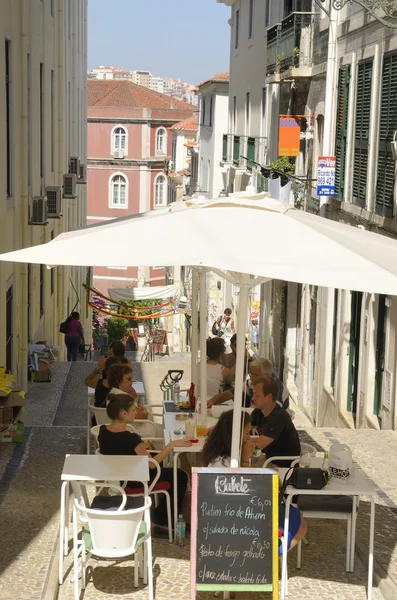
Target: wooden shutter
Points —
{"points": [[387, 127], [361, 132], [341, 130]]}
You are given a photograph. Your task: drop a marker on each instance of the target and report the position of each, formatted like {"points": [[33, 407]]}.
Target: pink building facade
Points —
{"points": [[129, 147]]}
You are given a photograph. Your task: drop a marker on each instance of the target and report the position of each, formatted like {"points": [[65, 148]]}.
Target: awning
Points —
{"points": [[144, 293]]}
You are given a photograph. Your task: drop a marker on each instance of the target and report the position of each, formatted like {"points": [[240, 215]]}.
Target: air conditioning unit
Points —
{"points": [[54, 201], [83, 174], [118, 153], [39, 211], [69, 185], [74, 166]]}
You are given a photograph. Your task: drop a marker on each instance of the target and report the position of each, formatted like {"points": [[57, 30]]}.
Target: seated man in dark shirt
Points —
{"points": [[277, 433]]}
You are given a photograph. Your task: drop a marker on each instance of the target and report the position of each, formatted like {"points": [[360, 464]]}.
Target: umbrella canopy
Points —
{"points": [[252, 235], [246, 239]]}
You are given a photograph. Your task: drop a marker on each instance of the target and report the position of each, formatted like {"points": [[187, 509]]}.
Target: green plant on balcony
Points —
{"points": [[283, 165], [278, 61]]}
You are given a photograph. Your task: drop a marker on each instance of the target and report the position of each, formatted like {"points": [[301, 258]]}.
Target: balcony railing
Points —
{"points": [[290, 43], [273, 43], [243, 151]]}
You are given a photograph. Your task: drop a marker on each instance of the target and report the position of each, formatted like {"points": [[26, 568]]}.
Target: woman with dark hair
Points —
{"points": [[74, 336], [116, 439], [99, 373], [218, 446], [216, 453], [120, 381]]}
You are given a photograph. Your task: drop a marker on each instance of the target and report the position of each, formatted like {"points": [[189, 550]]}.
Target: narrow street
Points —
{"points": [[55, 419]]}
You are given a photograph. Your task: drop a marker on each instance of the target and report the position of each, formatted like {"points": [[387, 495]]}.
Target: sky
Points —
{"points": [[187, 39]]}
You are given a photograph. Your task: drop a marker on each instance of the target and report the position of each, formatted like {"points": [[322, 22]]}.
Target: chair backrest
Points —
{"points": [[273, 458], [113, 533], [95, 431], [101, 415]]}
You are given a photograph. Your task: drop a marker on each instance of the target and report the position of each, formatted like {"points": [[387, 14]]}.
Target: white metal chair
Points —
{"points": [[146, 429], [155, 488], [341, 508], [113, 534], [101, 418]]}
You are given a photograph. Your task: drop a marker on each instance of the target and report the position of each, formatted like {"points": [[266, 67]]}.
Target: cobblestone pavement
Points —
{"points": [[55, 420]]}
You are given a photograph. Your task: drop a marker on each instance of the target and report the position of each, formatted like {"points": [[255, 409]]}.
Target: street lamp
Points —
{"points": [[384, 11]]}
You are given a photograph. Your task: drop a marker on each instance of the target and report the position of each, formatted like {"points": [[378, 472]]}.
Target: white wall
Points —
{"points": [[58, 42], [211, 136]]}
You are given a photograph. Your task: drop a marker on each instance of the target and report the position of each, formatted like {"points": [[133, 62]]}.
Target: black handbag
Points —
{"points": [[303, 478]]}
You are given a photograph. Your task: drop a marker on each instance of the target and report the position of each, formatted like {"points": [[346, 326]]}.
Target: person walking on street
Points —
{"points": [[74, 336], [225, 328]]}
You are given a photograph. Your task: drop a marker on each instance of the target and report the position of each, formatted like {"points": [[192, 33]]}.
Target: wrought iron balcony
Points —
{"points": [[243, 151], [273, 42], [290, 43]]}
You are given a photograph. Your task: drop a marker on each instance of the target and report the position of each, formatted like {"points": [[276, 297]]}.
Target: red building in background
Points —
{"points": [[129, 146]]}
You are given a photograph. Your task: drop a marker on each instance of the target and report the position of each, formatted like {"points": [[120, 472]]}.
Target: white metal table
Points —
{"points": [[96, 467], [171, 424], [356, 488]]}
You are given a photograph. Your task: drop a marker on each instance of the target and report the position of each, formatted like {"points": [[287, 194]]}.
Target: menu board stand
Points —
{"points": [[234, 530]]}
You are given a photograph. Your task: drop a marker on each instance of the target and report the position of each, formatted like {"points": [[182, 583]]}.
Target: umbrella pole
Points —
{"points": [[203, 343], [194, 328], [238, 388]]}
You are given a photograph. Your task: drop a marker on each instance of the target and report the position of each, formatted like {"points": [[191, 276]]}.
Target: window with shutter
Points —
{"points": [[341, 130], [361, 132], [387, 126]]}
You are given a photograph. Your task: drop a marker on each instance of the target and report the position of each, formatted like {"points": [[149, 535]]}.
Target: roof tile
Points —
{"points": [[189, 124], [218, 78], [125, 94]]}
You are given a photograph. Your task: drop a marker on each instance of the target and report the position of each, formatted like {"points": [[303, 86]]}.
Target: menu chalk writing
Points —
{"points": [[234, 542]]}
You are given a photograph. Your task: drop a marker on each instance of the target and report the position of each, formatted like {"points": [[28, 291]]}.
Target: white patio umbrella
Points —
{"points": [[247, 240]]}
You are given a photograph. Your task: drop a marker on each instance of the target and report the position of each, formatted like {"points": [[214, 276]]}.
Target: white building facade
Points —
{"points": [[213, 122], [336, 350], [43, 64]]}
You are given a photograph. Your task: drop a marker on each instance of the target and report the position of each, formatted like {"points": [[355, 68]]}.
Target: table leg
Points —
{"points": [[62, 527], [175, 492], [285, 549], [353, 534], [371, 548], [88, 428]]}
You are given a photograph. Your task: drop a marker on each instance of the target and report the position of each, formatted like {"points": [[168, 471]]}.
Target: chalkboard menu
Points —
{"points": [[234, 538], [159, 336]]}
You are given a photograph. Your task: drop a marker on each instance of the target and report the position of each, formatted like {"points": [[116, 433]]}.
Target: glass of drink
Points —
{"points": [[304, 460], [190, 427], [201, 426]]}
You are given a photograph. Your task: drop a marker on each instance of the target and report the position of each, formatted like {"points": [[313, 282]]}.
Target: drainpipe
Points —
{"points": [[330, 92]]}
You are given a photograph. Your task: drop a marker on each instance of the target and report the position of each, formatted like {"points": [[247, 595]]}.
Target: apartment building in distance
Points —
{"points": [[163, 85], [43, 132], [129, 149]]}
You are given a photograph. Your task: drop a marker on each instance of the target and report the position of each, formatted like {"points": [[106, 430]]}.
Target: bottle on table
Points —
{"points": [[177, 392], [325, 465], [180, 531], [192, 397]]}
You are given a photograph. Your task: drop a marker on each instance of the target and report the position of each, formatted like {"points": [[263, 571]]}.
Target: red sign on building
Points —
{"points": [[289, 136]]}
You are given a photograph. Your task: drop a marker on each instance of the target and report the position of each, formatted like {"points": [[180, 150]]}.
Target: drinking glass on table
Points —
{"points": [[190, 426], [201, 426], [304, 460]]}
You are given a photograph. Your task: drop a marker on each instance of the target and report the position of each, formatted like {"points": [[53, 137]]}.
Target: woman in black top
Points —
{"points": [[116, 439]]}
